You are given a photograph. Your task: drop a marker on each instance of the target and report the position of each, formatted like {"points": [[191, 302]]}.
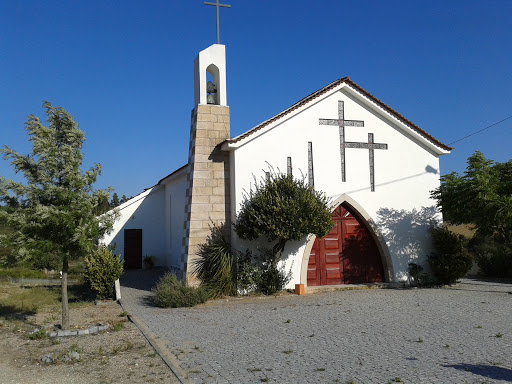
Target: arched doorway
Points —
{"points": [[347, 255]]}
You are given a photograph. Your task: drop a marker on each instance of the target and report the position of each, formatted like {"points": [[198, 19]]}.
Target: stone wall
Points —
{"points": [[208, 192]]}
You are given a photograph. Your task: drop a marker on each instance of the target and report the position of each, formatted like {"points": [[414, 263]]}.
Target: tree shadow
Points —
{"points": [[9, 312], [406, 233], [489, 371], [143, 280], [79, 293], [148, 301]]}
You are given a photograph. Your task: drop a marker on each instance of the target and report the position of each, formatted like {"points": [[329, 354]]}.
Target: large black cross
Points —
{"points": [[342, 123], [370, 146]]}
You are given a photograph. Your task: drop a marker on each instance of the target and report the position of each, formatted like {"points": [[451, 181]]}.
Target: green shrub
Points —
{"points": [[261, 274], [450, 260], [118, 326], [38, 335], [169, 292], [101, 271], [493, 256], [419, 277], [216, 267], [272, 279], [248, 272]]}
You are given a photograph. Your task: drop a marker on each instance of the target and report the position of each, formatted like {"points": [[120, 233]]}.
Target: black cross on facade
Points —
{"points": [[311, 176], [342, 123], [370, 146], [217, 5], [289, 169]]}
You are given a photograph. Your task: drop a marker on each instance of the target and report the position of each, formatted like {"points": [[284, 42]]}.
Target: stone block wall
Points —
{"points": [[208, 199]]}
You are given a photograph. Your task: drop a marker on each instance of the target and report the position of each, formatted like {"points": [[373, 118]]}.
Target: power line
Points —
{"points": [[483, 129]]}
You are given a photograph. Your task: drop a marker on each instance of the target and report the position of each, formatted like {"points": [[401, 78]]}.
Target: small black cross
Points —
{"points": [[342, 123], [370, 146], [217, 5]]}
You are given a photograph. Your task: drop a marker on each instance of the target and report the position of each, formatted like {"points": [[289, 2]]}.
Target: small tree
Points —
{"points": [[480, 197], [115, 201], [54, 215], [280, 209]]}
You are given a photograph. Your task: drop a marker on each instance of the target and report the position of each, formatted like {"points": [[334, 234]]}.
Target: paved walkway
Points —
{"points": [[452, 335]]}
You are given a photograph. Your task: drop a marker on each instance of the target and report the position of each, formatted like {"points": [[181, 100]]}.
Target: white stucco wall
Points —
{"points": [[405, 173], [175, 202], [144, 211], [159, 212]]}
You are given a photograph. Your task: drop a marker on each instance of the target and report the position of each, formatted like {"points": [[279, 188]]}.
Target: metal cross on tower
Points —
{"points": [[217, 5], [342, 123]]}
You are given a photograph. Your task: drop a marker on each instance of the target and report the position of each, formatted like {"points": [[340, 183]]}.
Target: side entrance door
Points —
{"points": [[133, 248], [347, 255]]}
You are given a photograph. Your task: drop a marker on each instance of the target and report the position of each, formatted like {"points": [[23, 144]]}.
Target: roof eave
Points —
{"points": [[345, 82]]}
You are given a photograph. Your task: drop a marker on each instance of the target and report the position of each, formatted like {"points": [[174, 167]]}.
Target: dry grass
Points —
{"points": [[23, 301], [107, 357], [465, 230]]}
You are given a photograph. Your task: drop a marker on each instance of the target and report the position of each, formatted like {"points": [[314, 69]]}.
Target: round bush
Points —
{"points": [[169, 292], [102, 269]]}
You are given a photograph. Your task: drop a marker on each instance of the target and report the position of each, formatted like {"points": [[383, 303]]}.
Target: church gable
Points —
{"points": [[342, 128], [350, 88]]}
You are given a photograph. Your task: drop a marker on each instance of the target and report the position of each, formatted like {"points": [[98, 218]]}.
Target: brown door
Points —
{"points": [[347, 255], [133, 248]]}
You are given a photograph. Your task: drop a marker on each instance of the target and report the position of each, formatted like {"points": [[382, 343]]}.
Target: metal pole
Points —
{"points": [[218, 33]]}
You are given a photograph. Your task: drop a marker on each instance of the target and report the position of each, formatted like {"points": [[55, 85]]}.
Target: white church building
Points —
{"points": [[377, 168]]}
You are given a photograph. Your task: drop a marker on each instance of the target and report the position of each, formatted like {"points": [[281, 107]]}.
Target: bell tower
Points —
{"points": [[208, 190], [213, 61]]}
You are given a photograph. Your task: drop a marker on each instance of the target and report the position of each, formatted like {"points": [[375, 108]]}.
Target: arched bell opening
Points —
{"points": [[212, 85], [352, 253]]}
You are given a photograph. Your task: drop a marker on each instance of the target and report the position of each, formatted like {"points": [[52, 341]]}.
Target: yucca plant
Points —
{"points": [[216, 266]]}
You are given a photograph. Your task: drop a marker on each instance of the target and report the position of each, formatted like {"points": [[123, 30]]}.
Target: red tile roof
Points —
{"points": [[327, 88]]}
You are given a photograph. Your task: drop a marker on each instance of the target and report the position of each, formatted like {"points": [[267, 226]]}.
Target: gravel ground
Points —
{"points": [[452, 335]]}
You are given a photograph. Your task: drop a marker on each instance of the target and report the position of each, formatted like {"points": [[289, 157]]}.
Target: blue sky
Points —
{"points": [[124, 70]]}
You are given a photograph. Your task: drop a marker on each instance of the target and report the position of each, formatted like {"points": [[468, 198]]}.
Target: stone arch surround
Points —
{"points": [[361, 214]]}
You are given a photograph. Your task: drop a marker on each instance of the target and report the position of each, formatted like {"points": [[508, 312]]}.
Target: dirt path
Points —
{"points": [[108, 357]]}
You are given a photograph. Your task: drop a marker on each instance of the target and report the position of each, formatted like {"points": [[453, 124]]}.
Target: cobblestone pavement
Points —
{"points": [[461, 334]]}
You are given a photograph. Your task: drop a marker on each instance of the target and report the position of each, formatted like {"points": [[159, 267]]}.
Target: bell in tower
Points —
{"points": [[211, 88]]}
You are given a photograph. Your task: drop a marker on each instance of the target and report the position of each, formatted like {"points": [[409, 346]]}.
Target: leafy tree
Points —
{"points": [[124, 199], [103, 206], [482, 197], [282, 208], [115, 200], [54, 215], [5, 252]]}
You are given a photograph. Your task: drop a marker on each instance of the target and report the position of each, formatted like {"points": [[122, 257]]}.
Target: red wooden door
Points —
{"points": [[347, 255]]}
